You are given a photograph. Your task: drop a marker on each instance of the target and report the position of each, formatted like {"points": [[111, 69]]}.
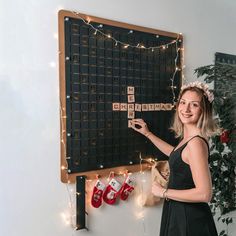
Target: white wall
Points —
{"points": [[32, 197]]}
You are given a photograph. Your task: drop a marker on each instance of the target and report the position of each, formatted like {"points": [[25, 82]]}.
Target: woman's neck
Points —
{"points": [[190, 131]]}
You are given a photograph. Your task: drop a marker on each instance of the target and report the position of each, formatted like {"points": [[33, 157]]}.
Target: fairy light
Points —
{"points": [[69, 220], [52, 64], [55, 35], [65, 218], [172, 79], [140, 215], [69, 216], [182, 63], [181, 49], [118, 41], [139, 200]]}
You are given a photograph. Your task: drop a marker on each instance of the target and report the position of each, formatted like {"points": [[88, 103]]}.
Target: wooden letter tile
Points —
{"points": [[138, 107], [130, 90], [131, 114], [131, 98], [115, 106], [123, 106], [144, 107], [130, 107]]}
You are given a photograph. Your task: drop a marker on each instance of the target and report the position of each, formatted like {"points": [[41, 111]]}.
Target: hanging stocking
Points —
{"points": [[111, 192], [98, 189], [127, 188]]}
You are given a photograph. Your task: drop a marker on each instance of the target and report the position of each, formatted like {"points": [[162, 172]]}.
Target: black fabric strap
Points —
{"points": [[202, 139]]}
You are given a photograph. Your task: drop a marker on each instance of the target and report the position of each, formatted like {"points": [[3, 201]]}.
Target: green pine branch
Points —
{"points": [[222, 162]]}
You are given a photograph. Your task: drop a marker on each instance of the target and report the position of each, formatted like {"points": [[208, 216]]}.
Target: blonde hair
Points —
{"points": [[207, 124]]}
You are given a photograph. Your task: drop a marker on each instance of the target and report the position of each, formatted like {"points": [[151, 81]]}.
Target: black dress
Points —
{"points": [[183, 218]]}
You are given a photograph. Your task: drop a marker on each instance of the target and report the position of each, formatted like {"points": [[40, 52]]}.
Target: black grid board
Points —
{"points": [[97, 74]]}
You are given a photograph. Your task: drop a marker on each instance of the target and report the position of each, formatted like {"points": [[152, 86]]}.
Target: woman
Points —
{"points": [[186, 211]]}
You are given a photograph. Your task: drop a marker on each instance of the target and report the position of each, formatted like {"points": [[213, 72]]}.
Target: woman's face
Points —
{"points": [[189, 109]]}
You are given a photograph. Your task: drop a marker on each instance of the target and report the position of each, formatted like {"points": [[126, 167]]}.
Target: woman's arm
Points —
{"points": [[196, 155], [140, 126]]}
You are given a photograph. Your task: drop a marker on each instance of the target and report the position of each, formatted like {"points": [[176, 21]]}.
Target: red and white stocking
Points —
{"points": [[111, 192], [98, 189], [127, 188]]}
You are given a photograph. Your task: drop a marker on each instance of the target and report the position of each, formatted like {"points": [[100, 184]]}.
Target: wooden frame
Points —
{"points": [[65, 176]]}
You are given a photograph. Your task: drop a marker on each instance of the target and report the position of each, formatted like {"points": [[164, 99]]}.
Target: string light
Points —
{"points": [[52, 64], [141, 214], [55, 35], [182, 63], [125, 45], [172, 79], [164, 46], [118, 41], [67, 217]]}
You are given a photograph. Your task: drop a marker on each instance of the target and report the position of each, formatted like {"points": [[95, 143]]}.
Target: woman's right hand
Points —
{"points": [[140, 126]]}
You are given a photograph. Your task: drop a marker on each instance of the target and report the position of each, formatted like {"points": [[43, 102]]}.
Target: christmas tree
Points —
{"points": [[223, 149]]}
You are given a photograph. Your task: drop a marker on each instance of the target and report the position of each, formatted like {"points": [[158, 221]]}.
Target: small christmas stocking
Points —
{"points": [[98, 189], [111, 192], [127, 188]]}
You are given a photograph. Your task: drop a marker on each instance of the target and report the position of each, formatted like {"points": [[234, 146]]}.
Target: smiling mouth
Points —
{"points": [[186, 115]]}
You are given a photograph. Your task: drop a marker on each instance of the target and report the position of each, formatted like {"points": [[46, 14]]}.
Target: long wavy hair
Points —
{"points": [[207, 124]]}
